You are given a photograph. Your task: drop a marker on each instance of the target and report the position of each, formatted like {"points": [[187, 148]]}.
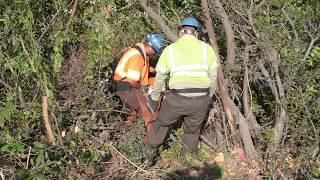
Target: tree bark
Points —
{"points": [[165, 28], [231, 48]]}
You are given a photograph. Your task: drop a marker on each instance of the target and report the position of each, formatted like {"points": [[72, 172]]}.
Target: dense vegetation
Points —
{"points": [[270, 56]]}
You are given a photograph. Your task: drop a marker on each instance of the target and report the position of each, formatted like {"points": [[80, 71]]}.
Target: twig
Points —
{"points": [[28, 157], [316, 151], [21, 98], [50, 24], [206, 141], [309, 116], [291, 22], [57, 127], [5, 85], [250, 19], [306, 55], [74, 8], [110, 145], [225, 129], [227, 139], [103, 128], [29, 58], [46, 119], [97, 110], [144, 164], [262, 3]]}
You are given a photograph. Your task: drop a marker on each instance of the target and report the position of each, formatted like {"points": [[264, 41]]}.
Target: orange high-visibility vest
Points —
{"points": [[133, 66]]}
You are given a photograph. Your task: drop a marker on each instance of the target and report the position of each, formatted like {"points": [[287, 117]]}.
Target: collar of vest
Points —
{"points": [[187, 36]]}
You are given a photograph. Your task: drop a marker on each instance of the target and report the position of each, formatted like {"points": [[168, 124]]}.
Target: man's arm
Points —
{"points": [[162, 75], [213, 79], [135, 65], [158, 86], [213, 70]]}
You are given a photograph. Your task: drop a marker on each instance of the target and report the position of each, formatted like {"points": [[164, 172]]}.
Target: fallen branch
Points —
{"points": [[28, 157], [52, 140], [311, 44], [5, 85], [207, 142], [97, 110], [110, 145]]}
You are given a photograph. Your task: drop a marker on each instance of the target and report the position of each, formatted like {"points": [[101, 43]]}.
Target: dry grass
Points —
{"points": [[71, 75]]}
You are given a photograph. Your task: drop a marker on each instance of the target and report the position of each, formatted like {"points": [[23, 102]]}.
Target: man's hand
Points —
{"points": [[153, 105], [152, 69]]}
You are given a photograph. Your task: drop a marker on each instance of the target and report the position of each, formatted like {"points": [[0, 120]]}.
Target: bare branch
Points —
{"points": [[311, 44], [245, 83], [5, 85], [291, 22], [250, 19], [316, 150], [209, 26], [269, 80], [262, 3], [217, 5], [49, 25], [74, 8], [151, 12], [28, 56]]}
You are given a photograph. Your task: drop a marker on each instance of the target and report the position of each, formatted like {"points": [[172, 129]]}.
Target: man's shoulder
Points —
{"points": [[209, 47]]}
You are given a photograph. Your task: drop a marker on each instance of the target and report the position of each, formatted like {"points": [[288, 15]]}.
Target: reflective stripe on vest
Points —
{"points": [[123, 61], [194, 70]]}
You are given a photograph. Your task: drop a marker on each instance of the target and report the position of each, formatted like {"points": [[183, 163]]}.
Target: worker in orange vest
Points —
{"points": [[132, 75]]}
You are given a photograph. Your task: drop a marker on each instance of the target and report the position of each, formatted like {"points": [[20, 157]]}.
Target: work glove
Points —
{"points": [[144, 89], [153, 105]]}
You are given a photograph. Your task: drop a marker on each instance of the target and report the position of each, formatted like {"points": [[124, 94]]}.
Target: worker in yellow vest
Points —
{"points": [[190, 65]]}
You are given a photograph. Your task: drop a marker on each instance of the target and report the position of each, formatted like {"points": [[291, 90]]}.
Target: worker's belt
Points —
{"points": [[122, 86], [179, 92], [191, 90]]}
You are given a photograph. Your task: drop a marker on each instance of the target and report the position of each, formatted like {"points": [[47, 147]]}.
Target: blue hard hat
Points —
{"points": [[190, 21], [156, 41]]}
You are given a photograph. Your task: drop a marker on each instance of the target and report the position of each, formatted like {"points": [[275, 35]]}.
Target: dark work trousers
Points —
{"points": [[129, 99], [134, 99], [173, 107]]}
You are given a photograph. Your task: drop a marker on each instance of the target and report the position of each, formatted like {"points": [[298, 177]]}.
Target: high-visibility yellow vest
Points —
{"points": [[187, 61]]}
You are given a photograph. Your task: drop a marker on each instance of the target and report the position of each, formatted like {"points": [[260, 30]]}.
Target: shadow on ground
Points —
{"points": [[208, 171]]}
